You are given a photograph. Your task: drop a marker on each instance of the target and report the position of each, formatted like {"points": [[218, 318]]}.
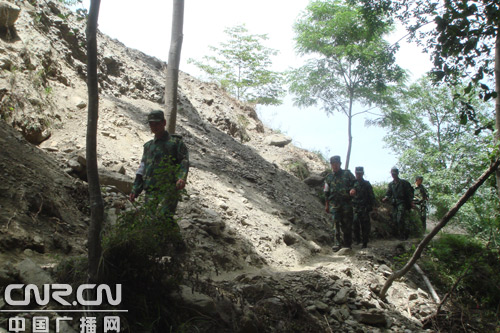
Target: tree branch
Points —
{"points": [[416, 255]]}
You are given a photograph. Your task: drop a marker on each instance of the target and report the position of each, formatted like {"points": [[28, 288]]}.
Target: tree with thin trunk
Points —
{"points": [[465, 46], [350, 60], [96, 202], [174, 58], [242, 67], [425, 131], [463, 40]]}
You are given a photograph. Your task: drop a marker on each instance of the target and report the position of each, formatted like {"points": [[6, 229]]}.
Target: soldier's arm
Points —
{"points": [[352, 179], [183, 158], [139, 180], [326, 191]]}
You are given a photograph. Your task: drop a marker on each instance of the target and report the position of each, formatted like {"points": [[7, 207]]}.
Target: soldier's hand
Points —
{"points": [[132, 197], [181, 183], [384, 199], [352, 192]]}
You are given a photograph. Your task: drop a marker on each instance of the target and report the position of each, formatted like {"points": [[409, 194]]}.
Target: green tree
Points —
{"points": [[425, 131], [351, 61], [241, 66], [465, 47], [464, 43]]}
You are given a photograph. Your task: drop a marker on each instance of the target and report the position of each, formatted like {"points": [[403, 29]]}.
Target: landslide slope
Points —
{"points": [[258, 234]]}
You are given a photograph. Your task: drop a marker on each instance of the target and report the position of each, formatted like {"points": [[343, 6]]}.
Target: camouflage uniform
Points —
{"points": [[401, 195], [337, 187], [168, 149], [420, 200], [363, 203]]}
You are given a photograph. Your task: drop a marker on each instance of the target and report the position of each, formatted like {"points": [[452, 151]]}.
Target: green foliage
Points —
{"points": [[323, 159], [425, 130], [461, 39], [72, 270], [379, 191], [241, 66], [143, 252], [299, 168], [353, 62], [477, 267], [350, 61], [401, 259]]}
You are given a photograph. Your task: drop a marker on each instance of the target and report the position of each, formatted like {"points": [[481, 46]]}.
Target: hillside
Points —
{"points": [[257, 234]]}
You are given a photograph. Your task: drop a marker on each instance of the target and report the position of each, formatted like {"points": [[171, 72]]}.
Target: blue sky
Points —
{"points": [[146, 27]]}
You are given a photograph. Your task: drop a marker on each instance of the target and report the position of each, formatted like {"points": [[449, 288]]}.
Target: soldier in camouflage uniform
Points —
{"points": [[420, 200], [338, 185], [163, 150], [363, 202], [400, 193]]}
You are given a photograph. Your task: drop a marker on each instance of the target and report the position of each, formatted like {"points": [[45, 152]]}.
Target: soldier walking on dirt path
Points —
{"points": [[363, 201], [400, 192], [163, 152], [420, 200], [338, 202]]}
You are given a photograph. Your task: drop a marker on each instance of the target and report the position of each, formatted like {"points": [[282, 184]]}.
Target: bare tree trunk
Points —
{"points": [[96, 202], [349, 134], [497, 102], [428, 283], [174, 58], [420, 248]]}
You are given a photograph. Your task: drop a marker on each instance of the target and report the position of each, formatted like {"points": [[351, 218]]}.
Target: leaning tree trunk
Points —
{"points": [[174, 58], [96, 203], [416, 255]]}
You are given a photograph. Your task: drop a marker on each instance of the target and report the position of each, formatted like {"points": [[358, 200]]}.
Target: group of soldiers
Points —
{"points": [[350, 199]]}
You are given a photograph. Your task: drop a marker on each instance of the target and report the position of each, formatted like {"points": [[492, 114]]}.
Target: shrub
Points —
{"points": [[453, 257], [143, 252]]}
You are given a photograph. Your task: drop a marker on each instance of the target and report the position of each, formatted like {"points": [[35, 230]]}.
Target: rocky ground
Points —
{"points": [[252, 218]]}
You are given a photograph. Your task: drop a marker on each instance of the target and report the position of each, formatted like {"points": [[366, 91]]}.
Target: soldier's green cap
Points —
{"points": [[335, 159], [156, 116], [395, 170], [359, 170], [419, 177]]}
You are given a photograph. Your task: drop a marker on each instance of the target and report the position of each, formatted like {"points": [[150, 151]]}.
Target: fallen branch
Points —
{"points": [[420, 248], [434, 295], [8, 222], [33, 217], [328, 324]]}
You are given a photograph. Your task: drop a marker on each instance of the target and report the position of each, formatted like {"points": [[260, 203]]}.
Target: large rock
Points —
{"points": [[341, 296], [278, 140], [8, 14], [370, 317], [314, 180], [196, 301], [31, 273], [121, 182]]}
